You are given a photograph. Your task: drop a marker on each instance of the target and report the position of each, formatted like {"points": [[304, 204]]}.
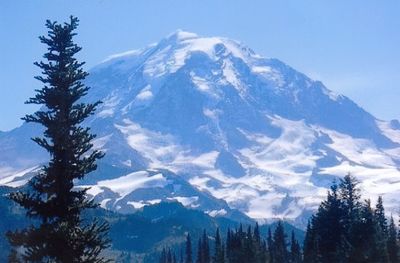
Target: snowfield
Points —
{"points": [[207, 122]]}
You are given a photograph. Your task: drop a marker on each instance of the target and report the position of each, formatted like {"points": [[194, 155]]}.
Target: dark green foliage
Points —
{"points": [[270, 244], [392, 247], [203, 249], [167, 256], [206, 248], [200, 258], [329, 221], [61, 235], [219, 254], [295, 255], [380, 218], [188, 250], [244, 246], [259, 246], [279, 246], [310, 254], [347, 230]]}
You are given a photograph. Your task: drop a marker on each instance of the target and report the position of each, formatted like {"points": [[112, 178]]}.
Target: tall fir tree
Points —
{"points": [[380, 217], [279, 247], [392, 244], [295, 250], [163, 257], [61, 235], [380, 238], [206, 248], [328, 221], [229, 245], [310, 247], [350, 196], [200, 253], [181, 256], [188, 250], [270, 244], [219, 255], [169, 256], [260, 253], [248, 246]]}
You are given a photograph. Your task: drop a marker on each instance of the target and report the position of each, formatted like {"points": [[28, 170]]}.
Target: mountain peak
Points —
{"points": [[243, 128], [180, 35]]}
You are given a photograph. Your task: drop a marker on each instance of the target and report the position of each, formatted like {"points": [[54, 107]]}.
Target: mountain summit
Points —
{"points": [[207, 122]]}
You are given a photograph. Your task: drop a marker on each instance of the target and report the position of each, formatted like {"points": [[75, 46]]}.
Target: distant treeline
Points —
{"points": [[345, 229]]}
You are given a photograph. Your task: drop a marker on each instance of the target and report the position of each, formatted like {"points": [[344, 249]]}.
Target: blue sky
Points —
{"points": [[351, 46]]}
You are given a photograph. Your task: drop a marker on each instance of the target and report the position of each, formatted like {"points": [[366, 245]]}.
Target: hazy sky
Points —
{"points": [[351, 46]]}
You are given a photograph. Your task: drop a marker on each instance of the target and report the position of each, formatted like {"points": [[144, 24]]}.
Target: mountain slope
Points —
{"points": [[201, 120]]}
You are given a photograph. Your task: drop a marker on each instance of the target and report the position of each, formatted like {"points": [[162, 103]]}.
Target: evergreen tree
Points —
{"points": [[219, 256], [62, 235], [181, 256], [264, 255], [295, 250], [259, 250], [380, 234], [328, 221], [169, 256], [380, 216], [310, 247], [205, 248], [229, 245], [200, 253], [188, 249], [249, 246], [392, 246], [279, 248], [363, 232], [163, 257], [351, 207], [270, 243]]}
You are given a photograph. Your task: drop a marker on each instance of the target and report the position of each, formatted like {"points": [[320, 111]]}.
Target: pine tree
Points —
{"points": [[349, 194], [328, 221], [205, 248], [310, 247], [163, 257], [229, 245], [188, 250], [259, 251], [219, 256], [270, 243], [200, 253], [380, 238], [62, 235], [181, 256], [295, 250], [169, 256], [248, 246], [379, 214], [279, 248], [392, 246]]}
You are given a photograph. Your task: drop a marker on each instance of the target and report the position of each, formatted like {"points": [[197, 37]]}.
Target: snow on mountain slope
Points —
{"points": [[200, 120]]}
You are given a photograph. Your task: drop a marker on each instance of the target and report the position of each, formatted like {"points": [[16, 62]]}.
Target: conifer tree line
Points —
{"points": [[61, 234], [239, 246], [345, 229], [348, 229]]}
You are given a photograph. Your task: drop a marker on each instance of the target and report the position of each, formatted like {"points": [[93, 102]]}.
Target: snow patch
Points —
{"points": [[186, 201]]}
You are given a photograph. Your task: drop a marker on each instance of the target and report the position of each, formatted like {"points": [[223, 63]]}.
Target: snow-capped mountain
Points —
{"points": [[213, 125]]}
